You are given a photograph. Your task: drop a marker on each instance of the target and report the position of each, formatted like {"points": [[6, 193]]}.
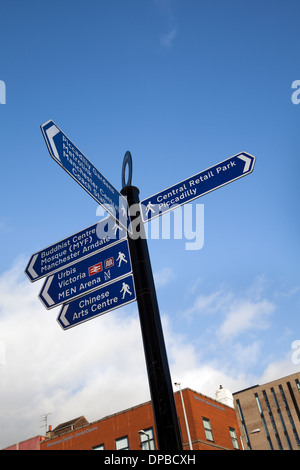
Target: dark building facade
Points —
{"points": [[269, 414]]}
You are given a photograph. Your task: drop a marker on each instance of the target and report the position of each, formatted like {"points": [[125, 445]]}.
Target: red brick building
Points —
{"points": [[29, 444], [212, 425]]}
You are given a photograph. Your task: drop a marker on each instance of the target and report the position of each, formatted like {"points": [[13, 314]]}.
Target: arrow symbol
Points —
{"points": [[44, 292], [30, 269], [62, 316], [247, 161], [51, 133]]}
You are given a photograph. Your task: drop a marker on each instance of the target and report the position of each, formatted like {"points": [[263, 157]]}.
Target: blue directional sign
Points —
{"points": [[73, 248], [202, 183], [72, 160], [88, 274], [98, 302]]}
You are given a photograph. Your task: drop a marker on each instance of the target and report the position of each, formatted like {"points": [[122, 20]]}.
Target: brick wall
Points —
{"points": [[129, 422]]}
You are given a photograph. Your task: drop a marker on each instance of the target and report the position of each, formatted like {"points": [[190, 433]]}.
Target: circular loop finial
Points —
{"points": [[127, 161]]}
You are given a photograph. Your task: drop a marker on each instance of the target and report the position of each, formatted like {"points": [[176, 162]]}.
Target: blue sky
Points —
{"points": [[183, 85]]}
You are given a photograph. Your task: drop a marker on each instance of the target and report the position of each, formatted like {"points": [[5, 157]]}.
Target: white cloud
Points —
{"points": [[209, 303], [167, 39], [246, 355], [93, 369], [246, 315], [98, 368], [167, 9], [188, 367], [279, 369], [237, 313], [163, 277]]}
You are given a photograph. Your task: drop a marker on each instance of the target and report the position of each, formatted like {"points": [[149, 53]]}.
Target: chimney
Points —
{"points": [[224, 396], [49, 432]]}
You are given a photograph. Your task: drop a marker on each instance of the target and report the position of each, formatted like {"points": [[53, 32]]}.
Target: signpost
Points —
{"points": [[202, 183], [86, 275], [70, 158], [92, 275], [97, 302], [164, 410], [71, 249]]}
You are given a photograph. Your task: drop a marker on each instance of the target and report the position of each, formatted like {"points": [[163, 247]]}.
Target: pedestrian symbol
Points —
{"points": [[121, 258], [149, 207], [125, 289]]}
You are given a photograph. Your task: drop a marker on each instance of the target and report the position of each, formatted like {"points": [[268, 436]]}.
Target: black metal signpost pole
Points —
{"points": [[163, 403]]}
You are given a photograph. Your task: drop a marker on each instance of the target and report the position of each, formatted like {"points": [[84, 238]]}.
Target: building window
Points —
{"points": [[99, 447], [122, 443], [298, 384], [147, 439], [243, 424], [272, 417], [294, 399], [234, 438], [281, 418], [263, 421], [289, 414], [207, 429]]}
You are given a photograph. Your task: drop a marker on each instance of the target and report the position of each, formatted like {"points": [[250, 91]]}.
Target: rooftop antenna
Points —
{"points": [[44, 419]]}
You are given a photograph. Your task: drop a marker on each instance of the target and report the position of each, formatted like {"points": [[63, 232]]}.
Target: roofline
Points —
{"points": [[245, 389], [133, 408], [269, 382]]}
